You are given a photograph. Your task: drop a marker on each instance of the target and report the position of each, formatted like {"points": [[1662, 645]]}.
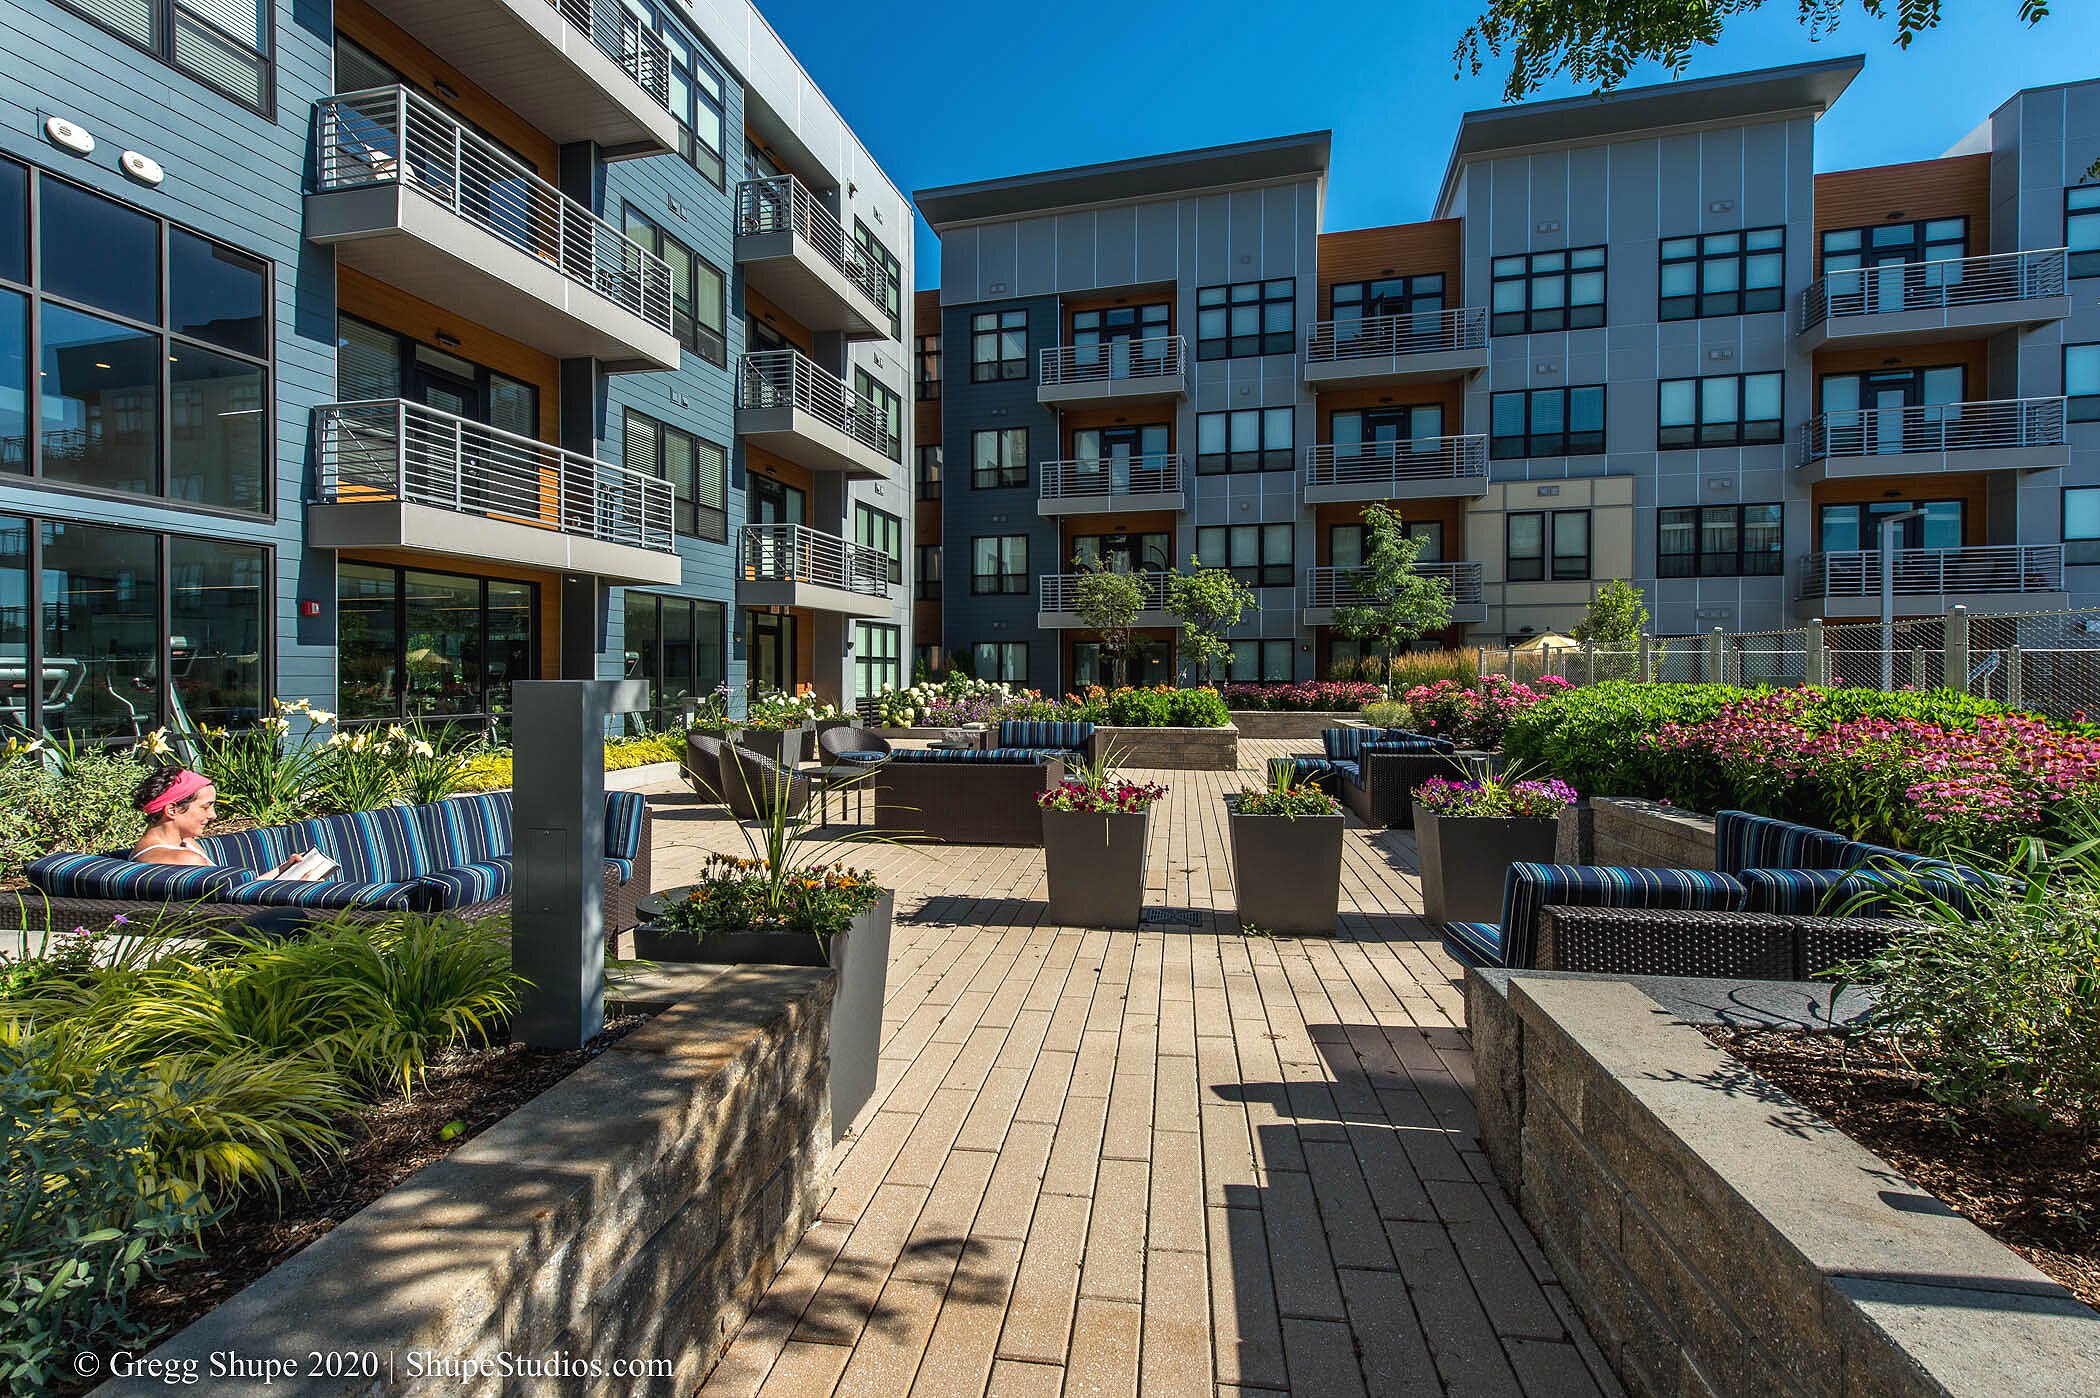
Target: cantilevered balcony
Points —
{"points": [[1057, 601], [2013, 434], [1420, 347], [1115, 371], [579, 70], [1907, 301], [405, 193], [789, 565], [792, 408], [2001, 577], [796, 254], [1101, 485], [1328, 588], [1422, 468], [398, 475]]}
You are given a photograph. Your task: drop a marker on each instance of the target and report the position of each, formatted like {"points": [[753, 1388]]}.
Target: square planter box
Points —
{"points": [[1287, 873], [860, 955], [1466, 859], [1096, 865], [787, 746]]}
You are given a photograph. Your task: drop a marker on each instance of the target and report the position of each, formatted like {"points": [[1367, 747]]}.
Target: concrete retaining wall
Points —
{"points": [[1647, 835], [1271, 723], [1718, 1237], [635, 1210], [1174, 749]]}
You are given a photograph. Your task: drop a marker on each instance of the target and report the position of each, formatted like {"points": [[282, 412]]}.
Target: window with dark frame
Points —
{"points": [[204, 40], [1720, 410], [1722, 274], [2082, 230], [1719, 541], [1260, 555], [694, 92], [471, 636], [1922, 240], [697, 469], [888, 409], [882, 532], [999, 565], [928, 573], [999, 458], [678, 645], [1000, 660], [1239, 319], [878, 657], [1547, 543], [888, 268], [2082, 383], [926, 378], [1352, 303], [1546, 422], [699, 293], [929, 472], [1267, 662], [998, 346], [1539, 292], [1246, 440], [2082, 524]]}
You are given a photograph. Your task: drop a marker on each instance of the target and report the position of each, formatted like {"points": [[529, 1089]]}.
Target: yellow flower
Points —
{"points": [[156, 742]]}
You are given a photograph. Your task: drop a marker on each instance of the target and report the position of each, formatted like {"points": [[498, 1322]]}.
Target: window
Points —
{"points": [[1247, 439], [1546, 291], [1725, 410], [1849, 528], [1381, 434], [929, 472], [2082, 229], [888, 268], [1935, 240], [470, 636], [878, 657], [1718, 541], [699, 295], [926, 377], [1258, 554], [224, 44], [999, 564], [2082, 524], [677, 644], [999, 458], [1259, 660], [1000, 660], [1722, 274], [1125, 552], [1546, 422], [882, 532], [1357, 302], [1125, 325], [1539, 539], [148, 370], [693, 92], [929, 572], [697, 469], [2082, 382], [1346, 542], [998, 346], [881, 401], [1247, 318]]}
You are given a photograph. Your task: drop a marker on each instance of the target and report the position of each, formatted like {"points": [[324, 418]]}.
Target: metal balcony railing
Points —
{"points": [[1936, 572], [391, 449], [1106, 476], [1336, 587], [1461, 461], [1115, 361], [782, 203], [1390, 337], [799, 554], [1917, 286], [1934, 427], [1059, 592], [790, 379], [626, 40], [390, 135]]}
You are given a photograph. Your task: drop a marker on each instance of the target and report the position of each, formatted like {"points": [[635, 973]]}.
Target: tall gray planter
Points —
{"points": [[1466, 859], [860, 955], [1287, 871], [1096, 865]]}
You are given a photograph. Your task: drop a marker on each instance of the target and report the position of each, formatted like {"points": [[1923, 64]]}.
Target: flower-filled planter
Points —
{"points": [[1286, 858], [1095, 832], [1468, 833]]}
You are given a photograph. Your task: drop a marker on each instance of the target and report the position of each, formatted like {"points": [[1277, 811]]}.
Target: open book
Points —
{"points": [[309, 867]]}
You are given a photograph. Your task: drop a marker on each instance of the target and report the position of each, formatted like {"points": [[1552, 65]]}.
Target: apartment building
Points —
{"points": [[1641, 338], [384, 352]]}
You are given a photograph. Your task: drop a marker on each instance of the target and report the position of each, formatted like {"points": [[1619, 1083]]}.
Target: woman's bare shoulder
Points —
{"points": [[168, 854]]}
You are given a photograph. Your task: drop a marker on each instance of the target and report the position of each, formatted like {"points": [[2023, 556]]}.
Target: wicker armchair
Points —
{"points": [[751, 784], [1385, 795], [702, 767], [851, 747]]}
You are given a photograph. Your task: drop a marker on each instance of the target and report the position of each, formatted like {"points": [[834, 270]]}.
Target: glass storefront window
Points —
{"points": [[215, 631], [677, 644], [100, 630], [99, 386], [14, 381], [414, 643], [441, 625], [218, 442]]}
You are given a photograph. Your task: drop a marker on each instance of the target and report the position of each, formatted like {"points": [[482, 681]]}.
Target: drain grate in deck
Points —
{"points": [[1176, 917]]}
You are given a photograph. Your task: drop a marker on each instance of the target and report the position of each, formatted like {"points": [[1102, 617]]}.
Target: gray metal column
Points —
{"points": [[557, 935]]}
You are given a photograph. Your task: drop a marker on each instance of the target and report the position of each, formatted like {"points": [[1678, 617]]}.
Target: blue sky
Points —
{"points": [[949, 93]]}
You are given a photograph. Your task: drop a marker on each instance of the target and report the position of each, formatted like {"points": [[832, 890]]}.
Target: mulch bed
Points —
{"points": [[2033, 1188], [384, 1145]]}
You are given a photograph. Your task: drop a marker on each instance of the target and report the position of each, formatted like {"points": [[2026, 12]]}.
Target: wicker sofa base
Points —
{"points": [[1390, 778], [1724, 946], [964, 803]]}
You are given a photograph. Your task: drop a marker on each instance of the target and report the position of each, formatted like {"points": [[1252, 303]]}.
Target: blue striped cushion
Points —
{"points": [[996, 755], [1859, 892], [254, 850], [1474, 943], [622, 867], [1411, 747], [466, 884], [382, 846], [1299, 770], [1348, 744], [1746, 841], [869, 755], [413, 895], [1063, 734], [101, 876], [1529, 887], [623, 825], [1858, 854], [467, 829]]}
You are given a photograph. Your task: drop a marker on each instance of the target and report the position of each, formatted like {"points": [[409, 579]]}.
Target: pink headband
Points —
{"points": [[186, 785]]}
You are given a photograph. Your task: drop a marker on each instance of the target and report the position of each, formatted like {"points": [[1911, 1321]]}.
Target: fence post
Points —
{"points": [[1715, 672], [1816, 666], [2012, 676], [1954, 636], [1589, 661], [1647, 658], [1917, 667]]}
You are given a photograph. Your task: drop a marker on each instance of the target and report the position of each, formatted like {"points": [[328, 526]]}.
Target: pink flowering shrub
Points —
{"points": [[1305, 696], [1475, 716]]}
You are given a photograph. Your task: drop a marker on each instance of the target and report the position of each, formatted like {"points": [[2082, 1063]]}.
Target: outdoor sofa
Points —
{"points": [[1774, 883], [1374, 771], [972, 796], [452, 855], [1068, 740]]}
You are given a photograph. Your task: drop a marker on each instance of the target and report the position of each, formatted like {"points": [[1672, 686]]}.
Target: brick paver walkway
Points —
{"points": [[1177, 1160]]}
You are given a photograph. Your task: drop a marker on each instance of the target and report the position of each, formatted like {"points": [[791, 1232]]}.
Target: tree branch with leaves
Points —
{"points": [[1108, 603], [1208, 602], [1400, 603]]}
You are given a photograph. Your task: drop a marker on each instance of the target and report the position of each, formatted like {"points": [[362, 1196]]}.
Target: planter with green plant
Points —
{"points": [[1468, 833], [1096, 829], [1286, 857]]}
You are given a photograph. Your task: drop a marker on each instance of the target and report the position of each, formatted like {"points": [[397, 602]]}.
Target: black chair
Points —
{"points": [[751, 784]]}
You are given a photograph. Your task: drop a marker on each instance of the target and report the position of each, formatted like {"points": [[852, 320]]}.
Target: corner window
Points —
{"points": [[998, 346], [999, 458], [999, 565], [1722, 274], [1546, 422], [1544, 544], [2082, 229], [1718, 541], [1538, 292], [2082, 524], [1247, 318], [1725, 410]]}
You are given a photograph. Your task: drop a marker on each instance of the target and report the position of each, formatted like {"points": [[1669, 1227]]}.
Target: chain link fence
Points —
{"points": [[2047, 662]]}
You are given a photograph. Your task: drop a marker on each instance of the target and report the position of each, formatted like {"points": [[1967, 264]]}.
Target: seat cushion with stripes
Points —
{"points": [[467, 829], [623, 826], [1746, 841], [1411, 746], [1861, 892], [395, 895], [1474, 943], [992, 755], [264, 847], [387, 845], [464, 885], [119, 876], [1529, 887], [1061, 734], [1299, 770], [1348, 744]]}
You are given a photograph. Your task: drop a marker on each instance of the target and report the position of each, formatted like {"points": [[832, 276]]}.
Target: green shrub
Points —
{"points": [[88, 808], [1155, 708], [1594, 739], [1427, 667], [622, 753], [1388, 713]]}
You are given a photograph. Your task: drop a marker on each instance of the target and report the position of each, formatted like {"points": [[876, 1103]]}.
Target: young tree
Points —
{"points": [[1108, 603], [1598, 44], [1208, 602], [1617, 615], [1399, 603]]}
